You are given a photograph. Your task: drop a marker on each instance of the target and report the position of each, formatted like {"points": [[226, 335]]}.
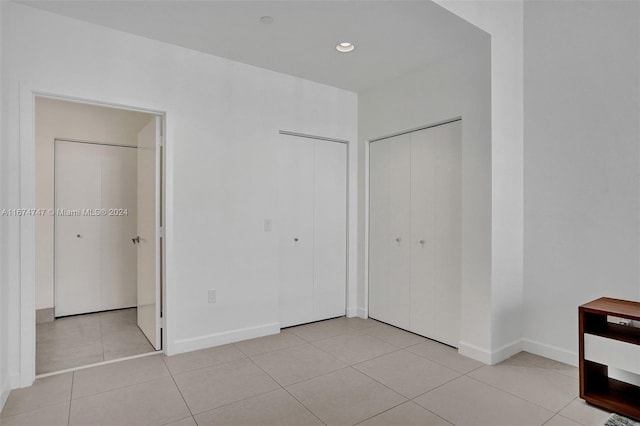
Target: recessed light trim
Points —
{"points": [[345, 47], [266, 20]]}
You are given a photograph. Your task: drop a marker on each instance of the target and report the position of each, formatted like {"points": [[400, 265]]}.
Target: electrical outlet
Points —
{"points": [[212, 296]]}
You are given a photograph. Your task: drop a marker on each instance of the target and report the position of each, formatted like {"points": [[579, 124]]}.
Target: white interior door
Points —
{"points": [[119, 197], [330, 229], [295, 205], [399, 296], [77, 236], [379, 232], [148, 236], [448, 232], [424, 295]]}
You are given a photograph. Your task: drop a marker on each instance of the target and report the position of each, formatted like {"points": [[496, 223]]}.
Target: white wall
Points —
{"points": [[76, 121], [5, 380], [582, 204], [222, 124], [457, 86]]}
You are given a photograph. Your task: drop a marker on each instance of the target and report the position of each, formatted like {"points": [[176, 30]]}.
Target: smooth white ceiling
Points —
{"points": [[391, 37]]}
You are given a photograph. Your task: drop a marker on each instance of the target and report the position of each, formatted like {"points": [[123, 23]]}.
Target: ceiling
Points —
{"points": [[391, 37]]}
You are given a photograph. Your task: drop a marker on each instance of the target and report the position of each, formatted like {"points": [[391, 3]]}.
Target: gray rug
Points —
{"points": [[618, 420]]}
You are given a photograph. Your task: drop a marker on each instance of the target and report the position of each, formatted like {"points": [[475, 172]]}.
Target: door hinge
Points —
{"points": [[162, 233]]}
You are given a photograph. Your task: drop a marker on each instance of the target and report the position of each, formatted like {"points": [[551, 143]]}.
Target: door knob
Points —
{"points": [[136, 240], [398, 240], [421, 242]]}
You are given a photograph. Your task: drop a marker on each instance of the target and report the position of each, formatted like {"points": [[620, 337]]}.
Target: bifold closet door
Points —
{"points": [[330, 229], [390, 230], [415, 231], [312, 185], [436, 207], [295, 204], [77, 237], [95, 259]]}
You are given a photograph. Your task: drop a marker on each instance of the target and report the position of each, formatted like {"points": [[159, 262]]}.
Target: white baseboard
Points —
{"points": [[356, 312], [474, 352], [506, 351], [549, 351], [490, 357], [217, 339]]}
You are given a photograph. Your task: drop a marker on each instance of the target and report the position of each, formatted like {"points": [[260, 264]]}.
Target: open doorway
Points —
{"points": [[98, 242]]}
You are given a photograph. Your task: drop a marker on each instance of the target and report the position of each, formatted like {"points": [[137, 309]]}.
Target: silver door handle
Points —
{"points": [[136, 240]]}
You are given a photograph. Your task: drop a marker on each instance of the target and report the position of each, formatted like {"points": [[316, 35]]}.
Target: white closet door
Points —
{"points": [[295, 204], [119, 271], [390, 230], [379, 232], [448, 231], [399, 297], [77, 236], [423, 229], [330, 229]]}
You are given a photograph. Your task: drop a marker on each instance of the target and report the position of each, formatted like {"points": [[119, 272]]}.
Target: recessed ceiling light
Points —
{"points": [[345, 47], [266, 19]]}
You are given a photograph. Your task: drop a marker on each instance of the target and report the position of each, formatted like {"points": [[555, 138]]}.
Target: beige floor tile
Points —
{"points": [[321, 330], [70, 331], [445, 355], [44, 392], [261, 345], [292, 365], [407, 373], [212, 387], [585, 414], [357, 323], [546, 363], [187, 421], [202, 358], [127, 342], [545, 388], [345, 397], [393, 335], [465, 401], [151, 403], [276, 408], [119, 374], [559, 420], [354, 348], [407, 414], [57, 356], [53, 415]]}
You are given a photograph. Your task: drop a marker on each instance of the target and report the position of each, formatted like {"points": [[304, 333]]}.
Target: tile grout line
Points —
{"points": [[287, 391], [173, 379], [73, 378]]}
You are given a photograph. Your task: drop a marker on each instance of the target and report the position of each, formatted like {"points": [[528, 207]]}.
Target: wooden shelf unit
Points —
{"points": [[596, 387]]}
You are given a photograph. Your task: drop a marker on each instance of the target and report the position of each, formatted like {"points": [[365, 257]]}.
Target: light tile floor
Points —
{"points": [[335, 372], [87, 339]]}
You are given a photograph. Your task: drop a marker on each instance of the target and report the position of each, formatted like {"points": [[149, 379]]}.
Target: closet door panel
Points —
{"points": [[379, 232], [448, 200], [119, 192], [295, 205], [77, 235], [330, 229], [399, 293], [424, 303]]}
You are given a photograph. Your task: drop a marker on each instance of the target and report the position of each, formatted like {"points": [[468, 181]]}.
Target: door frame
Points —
{"points": [[27, 264]]}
